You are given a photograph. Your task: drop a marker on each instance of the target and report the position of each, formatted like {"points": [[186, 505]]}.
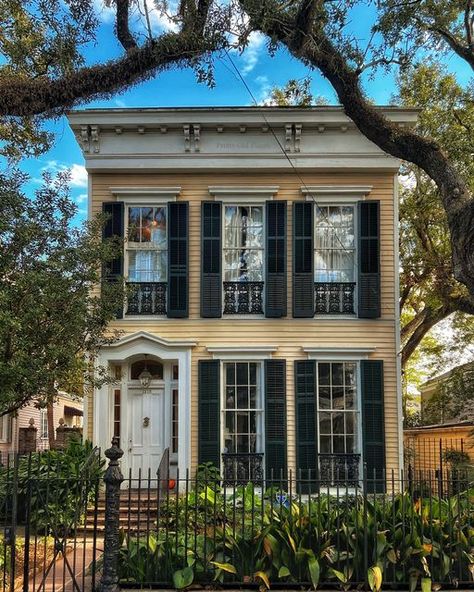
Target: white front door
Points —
{"points": [[147, 431]]}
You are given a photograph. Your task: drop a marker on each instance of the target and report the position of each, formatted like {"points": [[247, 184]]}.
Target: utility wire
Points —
{"points": [[295, 170]]}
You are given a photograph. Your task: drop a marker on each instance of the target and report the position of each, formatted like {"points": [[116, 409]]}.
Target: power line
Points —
{"points": [[295, 170]]}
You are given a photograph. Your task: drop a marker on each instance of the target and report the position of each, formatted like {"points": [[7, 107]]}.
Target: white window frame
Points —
{"points": [[244, 203], [44, 433], [357, 401], [6, 433], [336, 203], [260, 423], [128, 249]]}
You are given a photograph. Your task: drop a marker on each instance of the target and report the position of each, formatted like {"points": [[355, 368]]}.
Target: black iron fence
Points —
{"points": [[49, 535], [407, 530]]}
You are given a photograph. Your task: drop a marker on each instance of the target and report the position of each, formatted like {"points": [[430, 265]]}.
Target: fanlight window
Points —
{"points": [[155, 369]]}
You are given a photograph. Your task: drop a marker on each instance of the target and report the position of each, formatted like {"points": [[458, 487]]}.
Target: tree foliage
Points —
{"points": [[429, 289], [49, 317]]}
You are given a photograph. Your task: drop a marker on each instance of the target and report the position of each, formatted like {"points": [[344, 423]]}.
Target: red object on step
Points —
{"points": [[171, 484]]}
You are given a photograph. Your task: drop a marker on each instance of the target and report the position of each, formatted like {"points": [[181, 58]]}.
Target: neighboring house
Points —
{"points": [[427, 448], [65, 408], [454, 391], [261, 332]]}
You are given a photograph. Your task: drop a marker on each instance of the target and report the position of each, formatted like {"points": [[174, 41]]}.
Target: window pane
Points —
{"points": [[242, 397], [242, 373], [242, 423], [253, 397], [147, 266], [338, 397], [323, 373], [337, 374], [252, 373], [158, 230], [230, 373], [349, 374], [338, 423], [243, 443], [324, 397], [324, 423], [230, 397], [350, 398], [325, 442], [338, 445], [134, 224]]}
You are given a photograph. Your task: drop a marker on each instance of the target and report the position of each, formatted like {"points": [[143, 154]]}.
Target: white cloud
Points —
{"points": [[252, 51], [105, 10], [407, 181], [81, 198], [120, 103], [159, 21], [78, 173]]}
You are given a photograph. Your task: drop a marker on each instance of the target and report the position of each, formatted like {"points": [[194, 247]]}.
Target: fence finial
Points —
{"points": [[113, 479]]}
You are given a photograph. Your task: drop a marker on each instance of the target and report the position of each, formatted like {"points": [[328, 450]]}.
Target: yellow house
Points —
{"points": [[262, 330]]}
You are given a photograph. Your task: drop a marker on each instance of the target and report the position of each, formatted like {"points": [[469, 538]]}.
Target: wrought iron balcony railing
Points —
{"points": [[334, 297], [339, 470], [243, 297], [240, 469], [146, 298]]}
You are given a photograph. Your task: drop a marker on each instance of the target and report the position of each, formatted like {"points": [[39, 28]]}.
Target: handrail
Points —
{"points": [[163, 472]]}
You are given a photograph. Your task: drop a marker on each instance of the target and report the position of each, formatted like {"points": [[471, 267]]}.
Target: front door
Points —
{"points": [[146, 444]]}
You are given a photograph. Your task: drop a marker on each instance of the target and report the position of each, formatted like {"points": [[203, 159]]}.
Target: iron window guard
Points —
{"points": [[146, 298], [334, 297], [243, 297], [240, 469]]}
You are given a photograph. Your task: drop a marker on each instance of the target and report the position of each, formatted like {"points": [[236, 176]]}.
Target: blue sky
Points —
{"points": [[180, 88]]}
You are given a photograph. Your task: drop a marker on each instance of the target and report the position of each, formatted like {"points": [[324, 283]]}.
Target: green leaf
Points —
{"points": [[339, 575], [263, 576], [228, 567], [374, 575], [183, 578], [314, 571], [425, 584], [283, 572]]}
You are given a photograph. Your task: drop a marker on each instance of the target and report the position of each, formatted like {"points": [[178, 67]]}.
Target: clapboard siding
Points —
{"points": [[289, 334]]}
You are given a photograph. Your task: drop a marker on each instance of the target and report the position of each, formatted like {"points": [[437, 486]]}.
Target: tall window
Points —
{"points": [[334, 259], [44, 424], [339, 455], [242, 408], [334, 244], [5, 428], [337, 405], [147, 244], [243, 259]]}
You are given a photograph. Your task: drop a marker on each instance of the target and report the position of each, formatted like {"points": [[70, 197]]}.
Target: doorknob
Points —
{"points": [[146, 422]]}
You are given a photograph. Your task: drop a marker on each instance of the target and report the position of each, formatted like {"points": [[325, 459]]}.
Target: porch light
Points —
{"points": [[145, 376]]}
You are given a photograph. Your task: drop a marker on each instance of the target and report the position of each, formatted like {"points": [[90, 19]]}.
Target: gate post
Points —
{"points": [[113, 478]]}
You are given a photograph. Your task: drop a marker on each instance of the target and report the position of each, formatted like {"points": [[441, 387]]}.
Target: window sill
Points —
{"points": [[136, 318], [244, 316]]}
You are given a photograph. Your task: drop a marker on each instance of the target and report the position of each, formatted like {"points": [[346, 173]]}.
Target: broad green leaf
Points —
{"points": [[314, 571], [183, 578], [228, 567], [425, 584], [283, 572]]}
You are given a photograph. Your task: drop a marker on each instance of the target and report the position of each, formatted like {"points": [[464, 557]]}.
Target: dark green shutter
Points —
{"points": [[178, 223], [211, 253], [209, 412], [275, 419], [369, 259], [114, 228], [303, 273], [275, 278], [306, 424], [373, 423]]}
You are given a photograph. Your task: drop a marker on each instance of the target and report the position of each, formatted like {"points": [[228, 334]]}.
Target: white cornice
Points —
{"points": [[141, 193], [242, 352], [244, 193], [338, 353], [332, 193]]}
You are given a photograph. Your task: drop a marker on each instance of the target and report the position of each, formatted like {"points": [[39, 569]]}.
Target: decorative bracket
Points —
{"points": [[293, 137]]}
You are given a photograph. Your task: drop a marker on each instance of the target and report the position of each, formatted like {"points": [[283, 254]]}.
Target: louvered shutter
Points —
{"points": [[209, 412], [275, 280], [178, 269], [275, 419], [211, 249], [114, 227], [373, 423], [303, 255], [369, 259], [306, 425]]}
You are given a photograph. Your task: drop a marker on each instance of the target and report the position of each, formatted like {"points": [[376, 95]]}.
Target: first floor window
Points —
{"points": [[243, 422], [338, 419], [44, 424], [5, 428]]}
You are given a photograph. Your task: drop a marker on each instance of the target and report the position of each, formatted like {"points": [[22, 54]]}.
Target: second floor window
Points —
{"points": [[334, 259], [147, 259], [243, 259]]}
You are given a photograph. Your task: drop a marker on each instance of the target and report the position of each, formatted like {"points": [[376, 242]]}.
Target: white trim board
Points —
{"points": [[242, 352], [243, 193], [139, 194], [338, 353], [335, 193]]}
